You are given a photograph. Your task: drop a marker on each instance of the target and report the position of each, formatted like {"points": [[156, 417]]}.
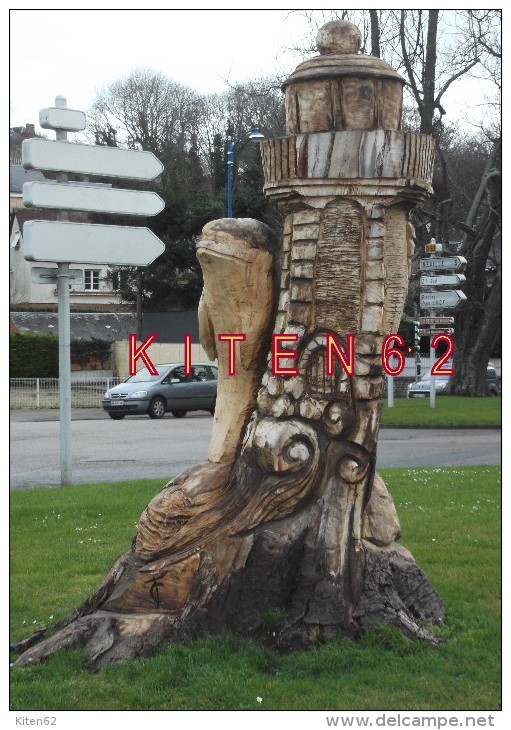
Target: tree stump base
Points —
{"points": [[275, 589]]}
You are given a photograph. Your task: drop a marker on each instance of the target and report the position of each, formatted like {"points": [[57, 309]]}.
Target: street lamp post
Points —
{"points": [[250, 133]]}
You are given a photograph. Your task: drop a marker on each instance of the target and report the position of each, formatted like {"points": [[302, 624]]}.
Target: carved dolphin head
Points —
{"points": [[235, 238]]}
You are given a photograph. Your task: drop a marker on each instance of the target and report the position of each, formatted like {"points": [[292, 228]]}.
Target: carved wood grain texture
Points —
{"points": [[237, 257], [350, 102], [352, 154], [339, 268], [396, 262]]}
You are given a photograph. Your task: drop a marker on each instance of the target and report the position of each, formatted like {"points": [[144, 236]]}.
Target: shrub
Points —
{"points": [[90, 353], [37, 355], [33, 355]]}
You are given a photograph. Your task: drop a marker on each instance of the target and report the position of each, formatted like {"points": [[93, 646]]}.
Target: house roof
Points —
{"points": [[84, 326], [171, 326], [18, 175], [46, 214]]}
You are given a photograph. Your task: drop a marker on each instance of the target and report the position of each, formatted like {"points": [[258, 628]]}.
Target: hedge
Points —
{"points": [[37, 355], [33, 355]]}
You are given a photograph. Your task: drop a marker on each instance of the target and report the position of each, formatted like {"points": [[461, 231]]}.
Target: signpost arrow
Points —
{"points": [[448, 299], [43, 275], [436, 320], [439, 280], [436, 331], [439, 299], [83, 159], [91, 198], [73, 243], [441, 263]]}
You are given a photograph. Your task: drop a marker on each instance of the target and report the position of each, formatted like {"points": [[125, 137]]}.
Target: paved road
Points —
{"points": [[106, 450]]}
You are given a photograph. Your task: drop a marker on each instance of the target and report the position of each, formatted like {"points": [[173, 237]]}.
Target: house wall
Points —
{"points": [[15, 201], [159, 352], [24, 291], [19, 269]]}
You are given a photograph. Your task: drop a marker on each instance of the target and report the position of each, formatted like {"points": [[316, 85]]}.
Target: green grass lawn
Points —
{"points": [[453, 410], [64, 540]]}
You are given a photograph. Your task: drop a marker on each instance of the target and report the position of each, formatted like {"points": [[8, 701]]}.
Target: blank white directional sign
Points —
{"points": [[84, 159], [65, 242], [70, 120], [449, 299], [91, 198]]}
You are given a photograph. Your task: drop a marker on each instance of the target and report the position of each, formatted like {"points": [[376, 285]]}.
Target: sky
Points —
{"points": [[73, 52]]}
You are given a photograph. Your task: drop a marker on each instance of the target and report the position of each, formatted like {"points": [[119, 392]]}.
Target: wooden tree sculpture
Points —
{"points": [[288, 515]]}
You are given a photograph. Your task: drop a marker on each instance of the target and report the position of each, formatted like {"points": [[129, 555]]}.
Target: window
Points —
{"points": [[179, 373], [91, 279], [201, 373]]}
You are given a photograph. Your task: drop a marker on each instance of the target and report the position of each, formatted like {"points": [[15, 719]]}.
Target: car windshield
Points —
{"points": [[144, 376]]}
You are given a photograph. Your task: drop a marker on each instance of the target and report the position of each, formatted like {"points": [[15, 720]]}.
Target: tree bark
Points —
{"points": [[478, 324], [375, 34], [429, 77]]}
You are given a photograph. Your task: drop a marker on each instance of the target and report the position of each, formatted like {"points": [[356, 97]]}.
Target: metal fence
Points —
{"points": [[88, 392], [44, 392]]}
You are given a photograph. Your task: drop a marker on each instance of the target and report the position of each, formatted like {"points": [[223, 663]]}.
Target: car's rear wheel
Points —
{"points": [[116, 416], [179, 414], [157, 408], [212, 409]]}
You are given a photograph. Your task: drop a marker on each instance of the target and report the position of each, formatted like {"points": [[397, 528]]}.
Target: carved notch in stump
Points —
{"points": [[288, 513]]}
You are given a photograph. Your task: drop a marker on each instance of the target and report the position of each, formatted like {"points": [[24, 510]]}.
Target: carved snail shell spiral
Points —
{"points": [[282, 446]]}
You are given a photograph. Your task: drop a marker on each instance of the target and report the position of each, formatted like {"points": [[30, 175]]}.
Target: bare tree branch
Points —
{"points": [[453, 78], [408, 64]]}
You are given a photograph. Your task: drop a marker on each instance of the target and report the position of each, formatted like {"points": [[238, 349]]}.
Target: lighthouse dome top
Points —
{"points": [[341, 88], [338, 36], [338, 43]]}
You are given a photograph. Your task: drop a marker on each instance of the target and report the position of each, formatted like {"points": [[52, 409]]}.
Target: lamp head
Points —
{"points": [[254, 133]]}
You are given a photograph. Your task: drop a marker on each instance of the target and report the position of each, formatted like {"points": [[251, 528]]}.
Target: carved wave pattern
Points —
{"points": [[277, 472]]}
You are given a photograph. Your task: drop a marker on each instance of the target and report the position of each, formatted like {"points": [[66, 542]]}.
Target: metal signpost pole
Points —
{"points": [[432, 389], [417, 346], [432, 381], [64, 329], [393, 362], [390, 391], [66, 470]]}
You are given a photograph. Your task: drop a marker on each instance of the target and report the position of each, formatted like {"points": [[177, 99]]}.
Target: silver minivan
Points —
{"points": [[169, 390]]}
